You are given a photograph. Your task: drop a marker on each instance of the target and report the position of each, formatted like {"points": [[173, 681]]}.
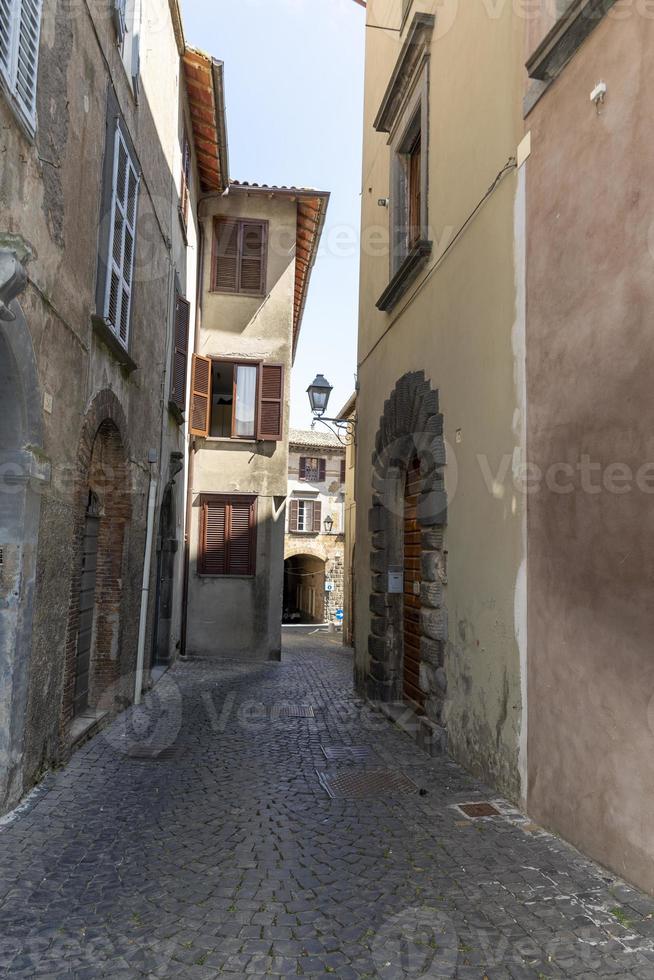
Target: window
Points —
{"points": [[239, 257], [119, 11], [186, 179], [122, 239], [20, 30], [305, 517], [228, 531], [414, 192], [180, 352], [407, 211], [312, 469], [237, 399], [343, 470], [127, 20]]}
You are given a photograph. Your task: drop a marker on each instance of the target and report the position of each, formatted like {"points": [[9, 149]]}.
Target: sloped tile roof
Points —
{"points": [[312, 439]]}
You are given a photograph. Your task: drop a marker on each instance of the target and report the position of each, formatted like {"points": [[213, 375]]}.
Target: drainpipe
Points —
{"points": [[145, 590]]}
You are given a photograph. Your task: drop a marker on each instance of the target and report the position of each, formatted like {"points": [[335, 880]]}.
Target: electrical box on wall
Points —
{"points": [[396, 581]]}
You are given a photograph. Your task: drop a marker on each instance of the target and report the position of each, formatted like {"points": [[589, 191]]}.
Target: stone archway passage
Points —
{"points": [[304, 589], [410, 432]]}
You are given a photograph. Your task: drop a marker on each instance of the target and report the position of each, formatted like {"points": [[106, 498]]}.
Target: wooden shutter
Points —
{"points": [[240, 550], [200, 396], [122, 239], [7, 29], [322, 470], [120, 19], [415, 191], [180, 356], [271, 402], [317, 517], [213, 542], [252, 278], [294, 518], [225, 256], [303, 467], [343, 471]]}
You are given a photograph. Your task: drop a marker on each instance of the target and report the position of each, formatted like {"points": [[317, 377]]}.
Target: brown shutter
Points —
{"points": [[240, 549], [317, 517], [343, 471], [200, 396], [303, 467], [225, 256], [182, 321], [213, 552], [295, 515], [271, 402], [253, 250], [322, 470]]}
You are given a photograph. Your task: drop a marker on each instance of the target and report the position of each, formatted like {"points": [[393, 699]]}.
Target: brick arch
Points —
{"points": [[102, 472], [410, 427]]}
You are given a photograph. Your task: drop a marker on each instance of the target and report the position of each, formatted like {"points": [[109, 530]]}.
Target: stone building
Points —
{"points": [[314, 554], [259, 245], [590, 294], [440, 584], [98, 243]]}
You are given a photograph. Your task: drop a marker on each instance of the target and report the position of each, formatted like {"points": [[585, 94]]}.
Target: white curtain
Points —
{"points": [[246, 401]]}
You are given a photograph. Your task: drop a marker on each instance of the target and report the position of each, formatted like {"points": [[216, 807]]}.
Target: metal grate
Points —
{"points": [[365, 784], [477, 810], [292, 711], [349, 753]]}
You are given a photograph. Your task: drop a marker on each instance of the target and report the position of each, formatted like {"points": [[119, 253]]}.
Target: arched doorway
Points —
{"points": [[304, 589], [94, 644], [21, 472], [408, 558]]}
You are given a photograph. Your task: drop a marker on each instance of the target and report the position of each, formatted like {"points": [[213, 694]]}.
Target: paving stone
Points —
{"points": [[225, 857]]}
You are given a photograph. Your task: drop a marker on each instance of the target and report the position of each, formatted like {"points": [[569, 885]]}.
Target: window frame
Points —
{"points": [[262, 399], [412, 125], [315, 502], [322, 469], [240, 222], [9, 74], [238, 362], [228, 500]]}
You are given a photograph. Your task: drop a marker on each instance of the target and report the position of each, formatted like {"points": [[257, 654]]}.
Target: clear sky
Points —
{"points": [[294, 89]]}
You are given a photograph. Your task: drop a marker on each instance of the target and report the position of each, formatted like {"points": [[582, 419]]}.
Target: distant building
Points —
{"points": [[315, 531], [259, 245]]}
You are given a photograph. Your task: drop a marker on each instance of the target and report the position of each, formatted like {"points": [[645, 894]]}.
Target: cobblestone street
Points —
{"points": [[195, 838]]}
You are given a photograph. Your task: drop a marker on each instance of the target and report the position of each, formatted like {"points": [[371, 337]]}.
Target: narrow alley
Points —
{"points": [[195, 838]]}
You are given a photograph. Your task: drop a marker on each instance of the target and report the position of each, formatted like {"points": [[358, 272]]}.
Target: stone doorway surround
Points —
{"points": [[411, 426]]}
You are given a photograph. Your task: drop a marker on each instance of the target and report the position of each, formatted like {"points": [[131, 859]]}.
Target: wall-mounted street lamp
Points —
{"points": [[319, 393], [329, 524]]}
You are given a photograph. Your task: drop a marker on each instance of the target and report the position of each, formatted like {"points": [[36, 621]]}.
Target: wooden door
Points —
{"points": [[411, 679], [86, 606]]}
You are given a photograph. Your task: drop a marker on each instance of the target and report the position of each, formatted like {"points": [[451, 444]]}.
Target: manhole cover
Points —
{"points": [[477, 810], [365, 784], [292, 711], [349, 753]]}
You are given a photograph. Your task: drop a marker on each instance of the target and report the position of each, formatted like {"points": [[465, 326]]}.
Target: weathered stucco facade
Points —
{"points": [[238, 611], [314, 554], [440, 369], [590, 293], [86, 421]]}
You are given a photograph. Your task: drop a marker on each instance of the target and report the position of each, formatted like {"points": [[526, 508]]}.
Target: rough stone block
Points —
{"points": [[378, 561], [431, 594], [376, 519], [432, 539], [430, 566], [378, 604], [432, 508], [431, 651], [434, 624], [377, 647], [379, 540], [378, 626]]}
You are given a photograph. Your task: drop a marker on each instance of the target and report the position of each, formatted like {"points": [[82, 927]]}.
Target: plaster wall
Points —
{"points": [[242, 616], [589, 368], [457, 327]]}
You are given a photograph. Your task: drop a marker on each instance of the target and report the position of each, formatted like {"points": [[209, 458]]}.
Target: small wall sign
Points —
{"points": [[329, 587], [395, 582]]}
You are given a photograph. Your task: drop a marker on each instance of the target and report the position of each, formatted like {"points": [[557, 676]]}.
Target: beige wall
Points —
{"points": [[243, 616], [459, 329], [589, 371]]}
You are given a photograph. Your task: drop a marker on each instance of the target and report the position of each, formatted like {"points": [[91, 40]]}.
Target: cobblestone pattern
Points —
{"points": [[193, 839]]}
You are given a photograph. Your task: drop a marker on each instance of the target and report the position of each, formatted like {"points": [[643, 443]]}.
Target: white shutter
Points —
{"points": [[122, 240], [20, 29], [27, 62], [8, 21], [120, 19]]}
